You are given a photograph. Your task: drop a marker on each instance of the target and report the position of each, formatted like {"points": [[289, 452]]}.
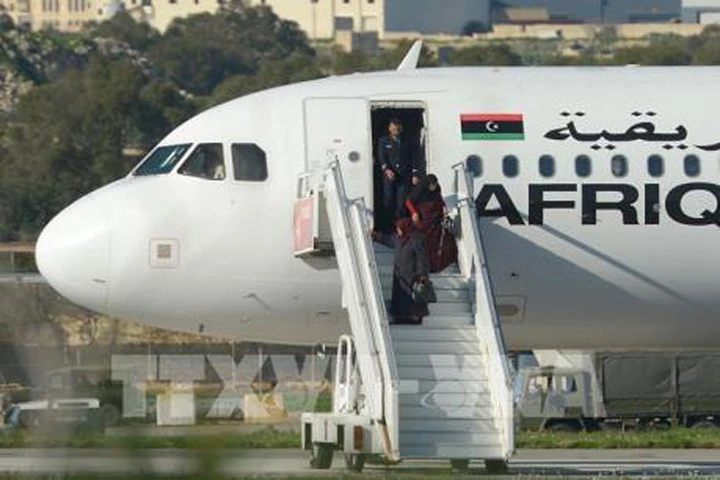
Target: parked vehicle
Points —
{"points": [[87, 382], [71, 414], [629, 390]]}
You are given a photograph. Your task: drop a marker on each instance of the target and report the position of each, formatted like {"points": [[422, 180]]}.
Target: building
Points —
{"points": [[325, 19], [61, 15], [353, 23], [598, 11], [73, 15], [701, 11], [163, 12], [18, 10]]}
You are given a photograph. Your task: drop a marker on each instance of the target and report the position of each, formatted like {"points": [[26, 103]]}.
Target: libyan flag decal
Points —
{"points": [[492, 126]]}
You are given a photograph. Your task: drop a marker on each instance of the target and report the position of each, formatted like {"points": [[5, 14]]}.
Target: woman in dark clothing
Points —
{"points": [[411, 266], [427, 209]]}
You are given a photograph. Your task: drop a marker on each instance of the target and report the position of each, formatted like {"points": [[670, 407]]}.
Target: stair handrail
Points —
{"points": [[473, 260], [371, 332], [345, 369]]}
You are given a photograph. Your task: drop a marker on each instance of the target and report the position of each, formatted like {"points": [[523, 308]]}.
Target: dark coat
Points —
{"points": [[430, 206], [411, 263], [397, 154], [441, 245]]}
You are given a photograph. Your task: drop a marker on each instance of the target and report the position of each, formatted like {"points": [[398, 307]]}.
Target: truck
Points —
{"points": [[85, 382], [626, 390], [56, 415]]}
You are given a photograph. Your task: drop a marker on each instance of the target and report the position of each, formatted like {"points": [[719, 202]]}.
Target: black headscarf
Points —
{"points": [[421, 193]]}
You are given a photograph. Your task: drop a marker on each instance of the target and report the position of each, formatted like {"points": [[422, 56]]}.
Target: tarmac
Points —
{"points": [[294, 462]]}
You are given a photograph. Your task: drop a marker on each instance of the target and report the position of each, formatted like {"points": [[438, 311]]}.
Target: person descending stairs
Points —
{"points": [[437, 390], [445, 402]]}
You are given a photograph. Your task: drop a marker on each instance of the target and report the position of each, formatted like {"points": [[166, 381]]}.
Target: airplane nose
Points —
{"points": [[73, 253]]}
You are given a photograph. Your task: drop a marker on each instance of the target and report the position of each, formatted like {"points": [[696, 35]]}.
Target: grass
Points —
{"points": [[263, 439], [679, 438], [374, 475], [438, 474], [671, 438]]}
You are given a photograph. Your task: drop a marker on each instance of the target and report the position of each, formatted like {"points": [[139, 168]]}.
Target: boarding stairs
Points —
{"points": [[440, 390]]}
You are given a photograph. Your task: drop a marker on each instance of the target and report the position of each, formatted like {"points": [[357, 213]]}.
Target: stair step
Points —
{"points": [[442, 309], [441, 360], [384, 256], [443, 296], [458, 405], [450, 308], [450, 321], [483, 412], [415, 390], [402, 346], [444, 282], [386, 268], [439, 373], [452, 451], [438, 438], [422, 334], [440, 282], [427, 427]]}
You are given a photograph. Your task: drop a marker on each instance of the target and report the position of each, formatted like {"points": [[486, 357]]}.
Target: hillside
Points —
{"points": [[35, 314]]}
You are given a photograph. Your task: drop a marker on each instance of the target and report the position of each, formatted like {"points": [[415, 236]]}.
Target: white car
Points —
{"points": [[78, 413]]}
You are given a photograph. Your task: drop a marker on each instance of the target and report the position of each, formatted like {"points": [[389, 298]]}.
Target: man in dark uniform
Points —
{"points": [[395, 155]]}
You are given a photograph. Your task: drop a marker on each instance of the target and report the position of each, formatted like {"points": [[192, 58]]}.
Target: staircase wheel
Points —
{"points": [[460, 465], [704, 424], [322, 456], [564, 427], [355, 462], [496, 467]]}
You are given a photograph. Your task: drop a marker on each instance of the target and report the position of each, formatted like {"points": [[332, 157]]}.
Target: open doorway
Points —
{"points": [[414, 137]]}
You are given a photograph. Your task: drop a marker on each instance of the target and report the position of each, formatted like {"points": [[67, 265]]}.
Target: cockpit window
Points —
{"points": [[206, 161], [162, 160], [249, 162]]}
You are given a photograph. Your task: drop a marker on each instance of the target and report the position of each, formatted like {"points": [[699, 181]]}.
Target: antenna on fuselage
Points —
{"points": [[410, 62]]}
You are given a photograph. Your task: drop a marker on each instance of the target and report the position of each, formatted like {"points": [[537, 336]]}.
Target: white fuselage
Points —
{"points": [[582, 277]]}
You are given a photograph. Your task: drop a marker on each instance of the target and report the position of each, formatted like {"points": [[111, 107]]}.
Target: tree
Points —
{"points": [[474, 26], [66, 138], [343, 63], [391, 59], [495, 54], [707, 46], [6, 22], [123, 27], [711, 31], [568, 61], [654, 54], [296, 68], [708, 53], [201, 51]]}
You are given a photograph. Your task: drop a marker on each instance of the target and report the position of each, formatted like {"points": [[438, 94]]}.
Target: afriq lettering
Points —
{"points": [[627, 203]]}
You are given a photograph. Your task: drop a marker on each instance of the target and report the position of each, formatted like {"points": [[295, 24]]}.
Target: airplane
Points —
{"points": [[597, 198]]}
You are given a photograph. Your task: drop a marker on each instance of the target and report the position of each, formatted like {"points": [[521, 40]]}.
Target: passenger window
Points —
{"points": [[692, 165], [162, 160], [566, 384], [656, 166], [55, 382], [474, 165], [249, 162], [206, 161], [619, 165], [582, 166], [547, 166], [510, 166]]}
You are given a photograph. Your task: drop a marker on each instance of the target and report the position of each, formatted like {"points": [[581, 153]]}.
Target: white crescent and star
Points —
{"points": [[492, 127]]}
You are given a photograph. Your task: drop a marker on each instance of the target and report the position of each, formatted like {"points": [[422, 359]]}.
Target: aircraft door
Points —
{"points": [[340, 129]]}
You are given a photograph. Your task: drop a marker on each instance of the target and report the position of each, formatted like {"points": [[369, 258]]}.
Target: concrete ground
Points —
{"points": [[583, 463]]}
